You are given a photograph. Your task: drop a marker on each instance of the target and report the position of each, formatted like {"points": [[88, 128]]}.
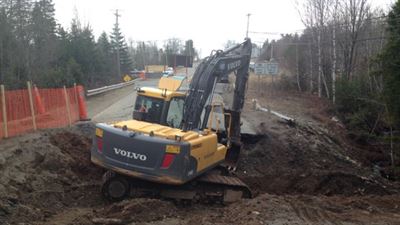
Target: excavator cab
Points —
{"points": [[163, 105]]}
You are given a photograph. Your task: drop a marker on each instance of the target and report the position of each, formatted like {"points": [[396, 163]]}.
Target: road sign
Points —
{"points": [[269, 68]]}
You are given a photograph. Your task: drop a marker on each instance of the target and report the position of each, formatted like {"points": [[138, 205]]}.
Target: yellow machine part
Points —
{"points": [[157, 129], [204, 146], [171, 83], [159, 93], [207, 151]]}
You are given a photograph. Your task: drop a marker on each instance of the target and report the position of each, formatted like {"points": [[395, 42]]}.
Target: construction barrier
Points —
{"points": [[81, 102], [142, 75], [33, 108]]}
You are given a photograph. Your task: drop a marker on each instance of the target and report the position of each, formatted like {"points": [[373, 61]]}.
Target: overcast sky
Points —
{"points": [[209, 23]]}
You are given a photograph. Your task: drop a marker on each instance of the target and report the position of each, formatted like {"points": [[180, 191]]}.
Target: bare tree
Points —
{"points": [[315, 13], [353, 15], [334, 57]]}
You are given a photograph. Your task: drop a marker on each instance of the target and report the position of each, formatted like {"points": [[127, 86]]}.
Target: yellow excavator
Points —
{"points": [[176, 145]]}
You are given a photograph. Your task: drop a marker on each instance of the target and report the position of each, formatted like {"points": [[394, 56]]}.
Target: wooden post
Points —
{"points": [[67, 103], [273, 86], [76, 98], [31, 104], [4, 109]]}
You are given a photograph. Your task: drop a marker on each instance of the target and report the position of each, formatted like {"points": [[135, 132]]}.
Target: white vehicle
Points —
{"points": [[169, 71]]}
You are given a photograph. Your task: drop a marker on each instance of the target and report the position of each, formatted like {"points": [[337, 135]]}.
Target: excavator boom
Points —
{"points": [[212, 70]]}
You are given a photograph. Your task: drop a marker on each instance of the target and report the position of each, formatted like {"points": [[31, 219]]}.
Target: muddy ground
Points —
{"points": [[309, 173]]}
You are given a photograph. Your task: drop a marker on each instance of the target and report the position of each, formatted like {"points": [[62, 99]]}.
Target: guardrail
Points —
{"points": [[97, 91]]}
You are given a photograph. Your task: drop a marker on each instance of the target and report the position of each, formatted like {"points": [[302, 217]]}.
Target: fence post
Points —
{"points": [[68, 106], [76, 99], [4, 108], [31, 104]]}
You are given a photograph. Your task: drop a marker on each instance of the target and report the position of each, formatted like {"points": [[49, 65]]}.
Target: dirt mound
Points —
{"points": [[306, 159], [77, 147], [44, 173]]}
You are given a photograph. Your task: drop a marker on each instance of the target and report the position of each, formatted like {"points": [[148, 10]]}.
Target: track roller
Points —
{"points": [[115, 187]]}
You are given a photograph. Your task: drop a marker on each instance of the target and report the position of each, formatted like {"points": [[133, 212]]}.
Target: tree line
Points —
{"points": [[34, 47], [348, 53]]}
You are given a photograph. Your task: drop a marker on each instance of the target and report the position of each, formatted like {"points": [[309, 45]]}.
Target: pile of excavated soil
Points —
{"points": [[77, 148], [43, 173], [306, 159]]}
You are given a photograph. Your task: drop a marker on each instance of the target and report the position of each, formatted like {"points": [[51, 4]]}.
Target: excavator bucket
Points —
{"points": [[233, 155], [232, 125]]}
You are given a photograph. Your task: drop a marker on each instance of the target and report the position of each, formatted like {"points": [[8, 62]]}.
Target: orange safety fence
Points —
{"points": [[52, 108]]}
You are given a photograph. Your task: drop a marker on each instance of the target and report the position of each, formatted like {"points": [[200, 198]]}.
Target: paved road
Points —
{"points": [[121, 108]]}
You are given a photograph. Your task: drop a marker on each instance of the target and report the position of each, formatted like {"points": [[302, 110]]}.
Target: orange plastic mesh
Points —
{"points": [[55, 113]]}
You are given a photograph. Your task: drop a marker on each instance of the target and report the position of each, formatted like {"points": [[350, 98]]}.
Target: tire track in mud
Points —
{"points": [[311, 215]]}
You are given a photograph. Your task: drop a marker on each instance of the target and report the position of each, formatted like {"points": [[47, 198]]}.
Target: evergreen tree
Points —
{"points": [[120, 50], [44, 39], [104, 52], [19, 19], [82, 49], [7, 40], [390, 60], [189, 49]]}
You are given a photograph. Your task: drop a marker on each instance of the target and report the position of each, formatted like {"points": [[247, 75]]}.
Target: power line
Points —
{"points": [[324, 42], [397, 18]]}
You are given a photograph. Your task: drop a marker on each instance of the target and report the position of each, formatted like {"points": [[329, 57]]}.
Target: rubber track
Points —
{"points": [[226, 181]]}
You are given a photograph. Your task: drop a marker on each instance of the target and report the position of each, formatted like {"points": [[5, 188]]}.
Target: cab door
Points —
{"points": [[175, 112]]}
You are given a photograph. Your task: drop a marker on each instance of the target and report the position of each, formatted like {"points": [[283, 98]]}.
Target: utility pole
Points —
{"points": [[166, 58], [144, 55], [272, 51], [117, 15], [248, 22]]}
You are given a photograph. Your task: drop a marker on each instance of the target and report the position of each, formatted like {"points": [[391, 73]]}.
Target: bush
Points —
{"points": [[359, 110], [287, 82]]}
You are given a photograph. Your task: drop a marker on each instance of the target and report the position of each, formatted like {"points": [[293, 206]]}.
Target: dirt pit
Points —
{"points": [[303, 174]]}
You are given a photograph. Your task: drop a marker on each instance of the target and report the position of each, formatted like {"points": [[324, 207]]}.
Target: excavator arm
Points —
{"points": [[212, 70]]}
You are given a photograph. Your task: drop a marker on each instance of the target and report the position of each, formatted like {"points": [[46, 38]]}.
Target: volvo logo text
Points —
{"points": [[130, 155], [233, 65]]}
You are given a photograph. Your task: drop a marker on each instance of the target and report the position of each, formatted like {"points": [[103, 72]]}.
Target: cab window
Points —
{"points": [[175, 112], [150, 107]]}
